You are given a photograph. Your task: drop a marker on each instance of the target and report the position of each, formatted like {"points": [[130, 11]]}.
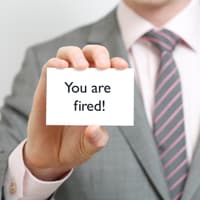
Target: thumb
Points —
{"points": [[95, 138]]}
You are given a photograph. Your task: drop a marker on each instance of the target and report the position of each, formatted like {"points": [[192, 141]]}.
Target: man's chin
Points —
{"points": [[149, 3]]}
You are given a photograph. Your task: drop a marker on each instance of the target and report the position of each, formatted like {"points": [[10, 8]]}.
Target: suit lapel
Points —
{"points": [[141, 142], [193, 181], [139, 137]]}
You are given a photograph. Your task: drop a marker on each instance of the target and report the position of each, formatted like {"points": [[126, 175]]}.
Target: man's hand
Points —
{"points": [[51, 151]]}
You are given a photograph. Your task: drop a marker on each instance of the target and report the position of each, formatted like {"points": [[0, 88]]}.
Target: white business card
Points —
{"points": [[90, 97]]}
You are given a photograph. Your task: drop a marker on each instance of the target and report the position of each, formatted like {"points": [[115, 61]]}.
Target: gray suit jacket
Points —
{"points": [[129, 167]]}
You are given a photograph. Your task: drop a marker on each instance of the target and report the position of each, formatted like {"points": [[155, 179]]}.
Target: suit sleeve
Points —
{"points": [[21, 184], [16, 109]]}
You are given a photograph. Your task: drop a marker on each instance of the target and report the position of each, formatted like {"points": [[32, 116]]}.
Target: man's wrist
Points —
{"points": [[49, 174], [45, 174]]}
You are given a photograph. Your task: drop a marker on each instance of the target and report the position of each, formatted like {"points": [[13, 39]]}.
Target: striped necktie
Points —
{"points": [[168, 119]]}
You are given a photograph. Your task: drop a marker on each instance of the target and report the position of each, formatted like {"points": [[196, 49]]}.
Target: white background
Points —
{"points": [[26, 22]]}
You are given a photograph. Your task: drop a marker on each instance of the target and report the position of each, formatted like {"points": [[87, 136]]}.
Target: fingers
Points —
{"points": [[95, 138], [90, 56], [98, 56], [57, 62], [74, 56], [54, 63], [119, 63]]}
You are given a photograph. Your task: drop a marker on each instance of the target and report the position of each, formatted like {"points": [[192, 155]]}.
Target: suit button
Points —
{"points": [[13, 188]]}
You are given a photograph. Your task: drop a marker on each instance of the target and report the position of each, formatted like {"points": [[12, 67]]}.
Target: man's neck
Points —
{"points": [[158, 15]]}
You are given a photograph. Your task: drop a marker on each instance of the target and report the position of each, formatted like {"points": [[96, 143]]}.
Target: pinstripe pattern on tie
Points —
{"points": [[168, 119]]}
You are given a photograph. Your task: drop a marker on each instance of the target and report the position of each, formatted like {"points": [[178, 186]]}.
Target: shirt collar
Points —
{"points": [[186, 25]]}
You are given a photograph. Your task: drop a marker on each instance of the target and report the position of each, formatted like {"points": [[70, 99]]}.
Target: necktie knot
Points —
{"points": [[164, 39]]}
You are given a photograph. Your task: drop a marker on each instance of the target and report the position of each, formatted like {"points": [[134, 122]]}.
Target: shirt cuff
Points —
{"points": [[20, 183]]}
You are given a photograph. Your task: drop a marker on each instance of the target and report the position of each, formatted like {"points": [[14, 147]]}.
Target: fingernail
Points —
{"points": [[97, 135]]}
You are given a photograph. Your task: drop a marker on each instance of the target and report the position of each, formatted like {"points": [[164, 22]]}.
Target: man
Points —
{"points": [[158, 158]]}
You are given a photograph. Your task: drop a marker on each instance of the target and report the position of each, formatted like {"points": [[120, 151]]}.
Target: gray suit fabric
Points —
{"points": [[129, 167]]}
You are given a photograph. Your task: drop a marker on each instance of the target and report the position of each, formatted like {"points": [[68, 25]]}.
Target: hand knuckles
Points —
{"points": [[51, 61], [73, 49], [102, 142], [96, 48], [88, 46], [68, 49], [101, 51], [100, 145], [61, 49]]}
